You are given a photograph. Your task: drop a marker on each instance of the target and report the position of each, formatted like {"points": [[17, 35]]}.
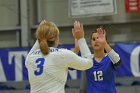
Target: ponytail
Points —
{"points": [[44, 47], [47, 33]]}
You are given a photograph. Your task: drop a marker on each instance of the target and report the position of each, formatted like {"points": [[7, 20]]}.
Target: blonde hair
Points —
{"points": [[46, 32]]}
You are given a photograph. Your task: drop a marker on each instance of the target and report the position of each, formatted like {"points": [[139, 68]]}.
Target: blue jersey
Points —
{"points": [[101, 77]]}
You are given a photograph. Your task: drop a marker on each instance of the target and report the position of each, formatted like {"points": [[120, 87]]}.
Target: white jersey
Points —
{"points": [[48, 74]]}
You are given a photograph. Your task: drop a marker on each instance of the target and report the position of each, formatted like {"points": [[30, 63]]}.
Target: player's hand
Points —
{"points": [[42, 22], [101, 36], [78, 31]]}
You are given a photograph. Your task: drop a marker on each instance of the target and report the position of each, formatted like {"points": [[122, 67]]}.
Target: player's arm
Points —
{"points": [[74, 60], [78, 62], [114, 57], [76, 48], [78, 33]]}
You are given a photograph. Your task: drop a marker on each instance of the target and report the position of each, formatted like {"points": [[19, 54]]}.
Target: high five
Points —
{"points": [[48, 65]]}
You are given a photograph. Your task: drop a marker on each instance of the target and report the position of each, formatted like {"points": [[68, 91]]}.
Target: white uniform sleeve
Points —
{"points": [[35, 46], [114, 57], [84, 49], [77, 62]]}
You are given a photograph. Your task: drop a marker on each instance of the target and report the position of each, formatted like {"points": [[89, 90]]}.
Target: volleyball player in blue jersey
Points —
{"points": [[101, 77]]}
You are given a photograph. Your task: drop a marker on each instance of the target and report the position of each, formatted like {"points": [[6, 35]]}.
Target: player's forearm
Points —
{"points": [[76, 50], [76, 61], [84, 49], [114, 57], [107, 47]]}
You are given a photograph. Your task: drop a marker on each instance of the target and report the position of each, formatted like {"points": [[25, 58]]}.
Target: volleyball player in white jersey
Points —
{"points": [[47, 65]]}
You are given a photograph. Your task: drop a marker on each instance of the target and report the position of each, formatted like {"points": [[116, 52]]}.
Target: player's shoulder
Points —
{"points": [[59, 50], [32, 56], [62, 51], [34, 53], [65, 51]]}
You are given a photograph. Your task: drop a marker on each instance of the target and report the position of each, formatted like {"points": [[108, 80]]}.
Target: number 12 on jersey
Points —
{"points": [[98, 75]]}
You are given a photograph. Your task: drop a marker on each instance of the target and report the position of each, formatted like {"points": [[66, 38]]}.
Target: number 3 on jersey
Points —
{"points": [[40, 63], [98, 75]]}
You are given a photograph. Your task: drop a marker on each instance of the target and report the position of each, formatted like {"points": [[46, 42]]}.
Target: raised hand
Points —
{"points": [[76, 45], [42, 22], [101, 36], [78, 31]]}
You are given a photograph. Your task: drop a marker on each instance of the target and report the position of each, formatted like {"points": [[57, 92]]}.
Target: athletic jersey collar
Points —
{"points": [[95, 62]]}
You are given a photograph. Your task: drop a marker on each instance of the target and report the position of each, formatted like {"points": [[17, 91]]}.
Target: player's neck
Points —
{"points": [[99, 55]]}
